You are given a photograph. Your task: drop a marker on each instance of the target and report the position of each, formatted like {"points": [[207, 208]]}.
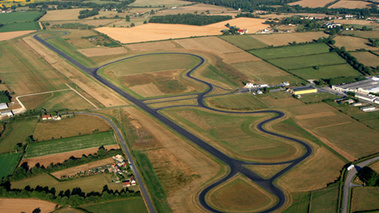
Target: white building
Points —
{"points": [[3, 106], [369, 85], [8, 112], [368, 109]]}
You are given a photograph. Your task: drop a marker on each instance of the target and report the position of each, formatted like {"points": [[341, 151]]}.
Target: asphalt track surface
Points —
{"points": [[236, 166]]}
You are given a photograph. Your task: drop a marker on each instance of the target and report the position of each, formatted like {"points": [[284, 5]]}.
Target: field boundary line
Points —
{"points": [[82, 96]]}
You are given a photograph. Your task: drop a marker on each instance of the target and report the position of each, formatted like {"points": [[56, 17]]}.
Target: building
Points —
{"points": [[126, 183], [3, 106], [368, 109], [369, 85], [357, 104], [365, 97], [242, 31], [46, 117], [302, 90], [349, 101], [8, 112]]}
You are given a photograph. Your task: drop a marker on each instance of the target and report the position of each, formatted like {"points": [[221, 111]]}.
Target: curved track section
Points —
{"points": [[236, 166]]}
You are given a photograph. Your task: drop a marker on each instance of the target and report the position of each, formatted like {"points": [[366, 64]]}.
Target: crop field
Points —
{"points": [[128, 205], [263, 72], [291, 51], [55, 101], [9, 35], [25, 205], [155, 32], [70, 127], [8, 162], [363, 34], [200, 8], [237, 102], [61, 15], [235, 135], [324, 200], [353, 43], [239, 194], [365, 198], [20, 27], [311, 3], [25, 72], [16, 132], [325, 72], [350, 4], [244, 42], [369, 118], [70, 144], [87, 184], [367, 58], [317, 97], [71, 51], [280, 39], [308, 61], [7, 18]]}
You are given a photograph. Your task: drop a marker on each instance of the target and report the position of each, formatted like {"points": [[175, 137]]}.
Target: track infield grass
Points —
{"points": [[38, 149], [241, 101], [239, 194], [8, 162], [135, 204], [290, 51]]}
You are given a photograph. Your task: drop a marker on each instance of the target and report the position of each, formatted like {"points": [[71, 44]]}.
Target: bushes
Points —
{"points": [[5, 97]]}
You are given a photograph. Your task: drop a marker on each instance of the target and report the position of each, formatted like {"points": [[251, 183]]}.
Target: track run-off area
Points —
{"points": [[235, 166]]}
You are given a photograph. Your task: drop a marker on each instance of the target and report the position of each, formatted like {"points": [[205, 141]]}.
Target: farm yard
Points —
{"points": [[42, 148]]}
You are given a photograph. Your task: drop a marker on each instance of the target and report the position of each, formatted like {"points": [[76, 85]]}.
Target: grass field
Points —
{"points": [[167, 3], [87, 184], [25, 72], [7, 18], [280, 39], [16, 132], [325, 72], [324, 201], [8, 162], [365, 198], [239, 194], [368, 118], [70, 144], [263, 72], [55, 101], [317, 97], [235, 135], [353, 43], [128, 205], [20, 27], [218, 75], [308, 61], [363, 34], [300, 202], [244, 42], [290, 51], [237, 102], [70, 127], [367, 58]]}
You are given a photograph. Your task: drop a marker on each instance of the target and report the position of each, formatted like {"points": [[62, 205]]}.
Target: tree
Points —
{"points": [[127, 18], [152, 12], [132, 25]]}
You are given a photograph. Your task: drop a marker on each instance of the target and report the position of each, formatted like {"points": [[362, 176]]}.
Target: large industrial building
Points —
{"points": [[370, 85]]}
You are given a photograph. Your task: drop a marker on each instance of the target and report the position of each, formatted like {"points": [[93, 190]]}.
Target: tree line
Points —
{"points": [[190, 19], [88, 13], [365, 70]]}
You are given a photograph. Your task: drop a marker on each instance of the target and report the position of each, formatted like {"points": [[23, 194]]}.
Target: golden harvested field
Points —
{"points": [[239, 194], [153, 46], [16, 205], [69, 127], [311, 3], [367, 58], [266, 171], [350, 4], [92, 88], [102, 51], [9, 35], [200, 8], [61, 15], [154, 32], [263, 72], [24, 72], [74, 170], [60, 158], [283, 39], [319, 169], [353, 43], [167, 3]]}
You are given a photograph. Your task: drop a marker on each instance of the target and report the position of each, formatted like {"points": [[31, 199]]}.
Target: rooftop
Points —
{"points": [[370, 85]]}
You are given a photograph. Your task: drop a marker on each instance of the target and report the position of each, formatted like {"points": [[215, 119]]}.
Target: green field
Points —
{"points": [[7, 18], [8, 162], [326, 72], [365, 198], [20, 27], [300, 202], [237, 102], [291, 51], [317, 97], [213, 73], [127, 205], [70, 144], [235, 134], [86, 184], [70, 50], [324, 201], [308, 61], [16, 132], [244, 42]]}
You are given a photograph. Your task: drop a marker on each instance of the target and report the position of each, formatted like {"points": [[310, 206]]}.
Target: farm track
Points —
{"points": [[236, 166]]}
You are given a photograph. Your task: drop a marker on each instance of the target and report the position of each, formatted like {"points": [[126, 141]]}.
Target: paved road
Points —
{"points": [[348, 182], [236, 166]]}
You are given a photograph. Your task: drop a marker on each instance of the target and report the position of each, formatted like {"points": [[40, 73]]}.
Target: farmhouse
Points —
{"points": [[366, 86], [302, 90], [46, 117], [368, 109], [126, 183], [3, 106]]}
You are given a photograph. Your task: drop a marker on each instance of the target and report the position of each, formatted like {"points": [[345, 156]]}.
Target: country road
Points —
{"points": [[236, 166], [348, 182]]}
